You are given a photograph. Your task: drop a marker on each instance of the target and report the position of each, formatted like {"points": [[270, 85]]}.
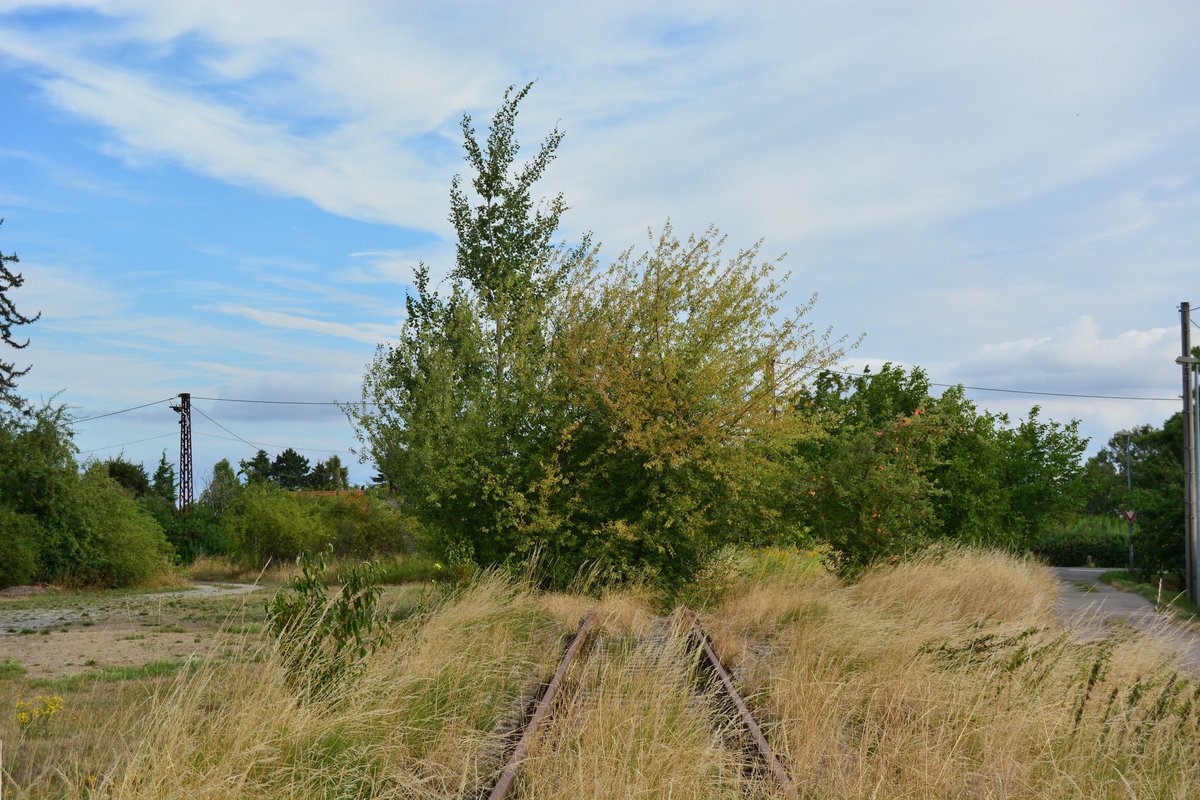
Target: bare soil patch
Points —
{"points": [[66, 635]]}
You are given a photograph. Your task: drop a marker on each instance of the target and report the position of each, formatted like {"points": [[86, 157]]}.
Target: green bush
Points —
{"points": [[19, 537], [80, 529], [362, 526], [197, 531], [1105, 539], [118, 543], [324, 641], [265, 522]]}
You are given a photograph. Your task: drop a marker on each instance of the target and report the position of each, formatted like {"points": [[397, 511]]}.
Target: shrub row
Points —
{"points": [[264, 522]]}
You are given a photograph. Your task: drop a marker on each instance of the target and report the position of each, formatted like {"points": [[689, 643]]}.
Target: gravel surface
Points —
{"points": [[65, 612]]}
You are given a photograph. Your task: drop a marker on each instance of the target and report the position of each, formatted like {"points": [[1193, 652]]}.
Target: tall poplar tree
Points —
{"points": [[458, 415]]}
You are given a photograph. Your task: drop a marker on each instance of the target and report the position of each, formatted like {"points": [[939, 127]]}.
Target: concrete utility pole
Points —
{"points": [[1188, 362], [185, 449]]}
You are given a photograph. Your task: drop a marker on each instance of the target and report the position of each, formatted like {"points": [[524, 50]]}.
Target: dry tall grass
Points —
{"points": [[636, 727], [419, 723], [944, 679], [952, 679]]}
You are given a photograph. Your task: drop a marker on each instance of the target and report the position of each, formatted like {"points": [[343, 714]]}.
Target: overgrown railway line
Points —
{"points": [[759, 757]]}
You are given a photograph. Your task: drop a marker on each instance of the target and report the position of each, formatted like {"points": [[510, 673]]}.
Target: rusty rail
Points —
{"points": [[713, 664], [509, 775], [765, 753]]}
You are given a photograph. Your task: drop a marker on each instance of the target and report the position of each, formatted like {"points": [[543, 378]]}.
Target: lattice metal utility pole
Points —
{"points": [[185, 449]]}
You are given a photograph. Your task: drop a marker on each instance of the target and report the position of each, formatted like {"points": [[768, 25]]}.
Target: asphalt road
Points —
{"points": [[1091, 607]]}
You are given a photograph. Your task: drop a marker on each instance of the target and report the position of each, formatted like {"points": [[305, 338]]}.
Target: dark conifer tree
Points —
{"points": [[10, 318]]}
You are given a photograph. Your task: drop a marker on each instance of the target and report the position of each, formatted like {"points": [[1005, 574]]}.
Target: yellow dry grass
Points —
{"points": [[635, 726], [419, 723], [950, 678], [947, 678]]}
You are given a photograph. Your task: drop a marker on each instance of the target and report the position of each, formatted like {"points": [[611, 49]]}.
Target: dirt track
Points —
{"points": [[63, 634]]}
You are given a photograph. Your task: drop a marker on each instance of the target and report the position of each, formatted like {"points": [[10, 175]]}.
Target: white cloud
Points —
{"points": [[1078, 358], [867, 138], [780, 120], [370, 333]]}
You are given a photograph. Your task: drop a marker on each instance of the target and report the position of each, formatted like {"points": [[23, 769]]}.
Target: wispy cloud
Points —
{"points": [[371, 333]]}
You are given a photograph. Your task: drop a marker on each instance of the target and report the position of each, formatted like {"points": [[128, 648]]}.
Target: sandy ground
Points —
{"points": [[117, 631]]}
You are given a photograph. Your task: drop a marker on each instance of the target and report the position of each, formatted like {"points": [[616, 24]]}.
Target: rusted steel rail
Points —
{"points": [[713, 665], [509, 775], [765, 753]]}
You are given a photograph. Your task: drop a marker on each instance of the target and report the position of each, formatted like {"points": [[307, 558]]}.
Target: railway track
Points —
{"points": [[711, 682]]}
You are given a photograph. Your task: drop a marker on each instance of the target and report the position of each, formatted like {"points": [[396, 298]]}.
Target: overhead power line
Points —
{"points": [[338, 403], [123, 444], [275, 446], [123, 410], [222, 427], [1024, 391]]}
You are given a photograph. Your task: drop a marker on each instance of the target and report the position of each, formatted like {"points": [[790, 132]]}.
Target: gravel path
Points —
{"points": [[62, 611], [1092, 607]]}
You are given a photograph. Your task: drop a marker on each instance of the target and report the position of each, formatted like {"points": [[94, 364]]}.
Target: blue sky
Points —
{"points": [[229, 198]]}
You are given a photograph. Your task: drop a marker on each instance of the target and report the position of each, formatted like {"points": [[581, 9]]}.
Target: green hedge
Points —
{"points": [[1105, 539]]}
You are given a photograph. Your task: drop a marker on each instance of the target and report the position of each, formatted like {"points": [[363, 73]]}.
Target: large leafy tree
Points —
{"points": [[9, 319], [631, 415], [902, 468], [677, 370], [1155, 469]]}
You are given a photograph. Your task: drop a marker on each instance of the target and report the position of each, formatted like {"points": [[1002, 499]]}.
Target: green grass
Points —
{"points": [[11, 669], [1173, 597], [154, 669], [77, 682]]}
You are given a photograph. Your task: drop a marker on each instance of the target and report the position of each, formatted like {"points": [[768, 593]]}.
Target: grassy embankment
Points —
{"points": [[942, 679]]}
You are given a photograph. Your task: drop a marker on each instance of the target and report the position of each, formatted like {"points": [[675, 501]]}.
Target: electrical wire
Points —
{"points": [[276, 446], [1023, 391], [122, 444], [123, 410], [222, 427], [274, 402]]}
